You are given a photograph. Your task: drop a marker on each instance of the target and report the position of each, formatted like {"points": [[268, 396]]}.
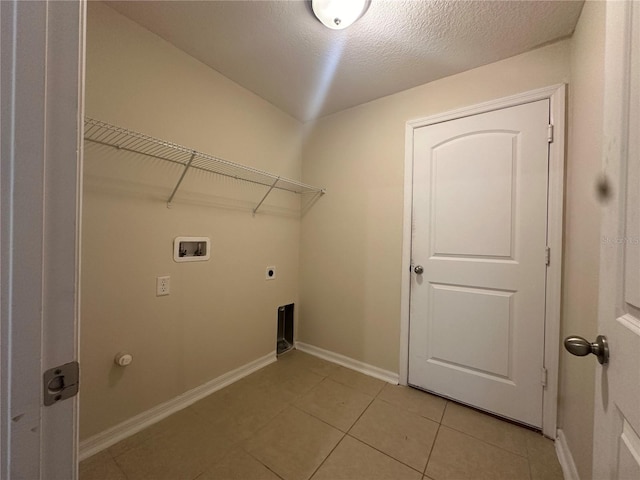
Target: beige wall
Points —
{"points": [[582, 231], [349, 245], [198, 332], [351, 241]]}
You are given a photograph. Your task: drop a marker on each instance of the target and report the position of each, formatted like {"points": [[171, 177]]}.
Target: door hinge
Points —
{"points": [[550, 133], [547, 256], [61, 382], [543, 377]]}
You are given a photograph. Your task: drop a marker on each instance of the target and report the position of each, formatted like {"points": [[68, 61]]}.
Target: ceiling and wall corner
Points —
{"points": [[281, 52]]}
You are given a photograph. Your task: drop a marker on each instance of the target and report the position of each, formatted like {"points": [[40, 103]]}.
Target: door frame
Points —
{"points": [[42, 57], [556, 95]]}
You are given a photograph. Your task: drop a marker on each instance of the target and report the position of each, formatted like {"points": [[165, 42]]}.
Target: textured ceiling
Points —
{"points": [[278, 50]]}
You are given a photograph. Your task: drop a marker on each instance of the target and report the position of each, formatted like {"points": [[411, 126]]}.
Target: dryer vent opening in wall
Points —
{"points": [[285, 329], [191, 249]]}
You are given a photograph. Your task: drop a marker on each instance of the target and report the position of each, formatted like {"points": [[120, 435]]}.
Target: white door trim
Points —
{"points": [[556, 95], [42, 58]]}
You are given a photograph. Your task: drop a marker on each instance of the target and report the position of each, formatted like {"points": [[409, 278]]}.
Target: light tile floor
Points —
{"points": [[303, 418]]}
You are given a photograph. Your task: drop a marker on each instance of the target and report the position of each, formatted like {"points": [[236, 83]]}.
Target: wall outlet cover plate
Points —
{"points": [[163, 285]]}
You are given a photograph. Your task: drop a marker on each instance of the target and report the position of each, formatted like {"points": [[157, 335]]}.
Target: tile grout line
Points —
{"points": [[313, 416], [354, 388], [287, 404], [341, 384], [380, 451], [113, 459], [317, 418], [384, 453], [435, 438], [360, 416], [291, 404], [265, 466], [344, 434], [408, 411], [201, 473], [530, 472], [349, 387], [433, 445], [529, 460], [240, 443], [329, 454], [120, 469], [155, 435], [482, 439], [485, 441], [358, 373]]}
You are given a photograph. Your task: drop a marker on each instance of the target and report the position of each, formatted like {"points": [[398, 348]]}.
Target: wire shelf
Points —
{"points": [[104, 133]]}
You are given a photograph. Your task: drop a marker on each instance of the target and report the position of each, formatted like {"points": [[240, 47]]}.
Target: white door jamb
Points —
{"points": [[42, 58]]}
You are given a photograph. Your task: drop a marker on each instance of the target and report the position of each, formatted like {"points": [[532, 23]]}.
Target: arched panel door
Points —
{"points": [[477, 312]]}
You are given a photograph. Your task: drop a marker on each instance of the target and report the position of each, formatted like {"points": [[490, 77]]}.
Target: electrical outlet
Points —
{"points": [[163, 285], [270, 273]]}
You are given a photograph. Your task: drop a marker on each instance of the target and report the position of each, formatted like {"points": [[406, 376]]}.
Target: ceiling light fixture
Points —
{"points": [[338, 14]]}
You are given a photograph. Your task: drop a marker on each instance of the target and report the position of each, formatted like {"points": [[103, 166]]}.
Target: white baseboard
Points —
{"points": [[357, 365], [565, 458], [113, 435]]}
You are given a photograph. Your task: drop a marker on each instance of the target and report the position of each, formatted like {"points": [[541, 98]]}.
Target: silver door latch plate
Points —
{"points": [[60, 383]]}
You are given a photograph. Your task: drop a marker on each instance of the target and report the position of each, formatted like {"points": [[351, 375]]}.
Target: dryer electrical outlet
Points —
{"points": [[270, 274]]}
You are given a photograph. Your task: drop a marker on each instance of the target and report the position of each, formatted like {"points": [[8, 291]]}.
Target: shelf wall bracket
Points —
{"points": [[184, 172], [266, 195]]}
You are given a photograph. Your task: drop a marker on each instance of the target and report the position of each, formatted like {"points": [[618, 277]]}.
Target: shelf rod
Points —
{"points": [[184, 172], [265, 195]]}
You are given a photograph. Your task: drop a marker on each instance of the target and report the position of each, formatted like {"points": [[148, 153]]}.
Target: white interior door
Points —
{"points": [[617, 403], [477, 311]]}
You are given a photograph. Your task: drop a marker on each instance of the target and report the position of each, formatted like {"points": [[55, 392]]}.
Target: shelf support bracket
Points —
{"points": [[184, 172], [265, 195]]}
